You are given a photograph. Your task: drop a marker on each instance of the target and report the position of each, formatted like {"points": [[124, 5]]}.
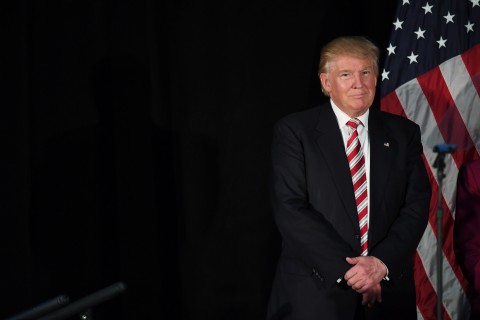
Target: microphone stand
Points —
{"points": [[442, 150]]}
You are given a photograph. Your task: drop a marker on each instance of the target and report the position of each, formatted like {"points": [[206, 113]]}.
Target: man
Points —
{"points": [[466, 235], [350, 201]]}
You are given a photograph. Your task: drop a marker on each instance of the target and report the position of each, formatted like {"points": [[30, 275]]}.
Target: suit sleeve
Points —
{"points": [[406, 202], [305, 232], [467, 223]]}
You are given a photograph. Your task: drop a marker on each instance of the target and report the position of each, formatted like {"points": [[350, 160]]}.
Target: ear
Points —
{"points": [[324, 81]]}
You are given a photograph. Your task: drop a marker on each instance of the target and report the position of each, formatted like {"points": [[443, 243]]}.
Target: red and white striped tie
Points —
{"points": [[356, 162]]}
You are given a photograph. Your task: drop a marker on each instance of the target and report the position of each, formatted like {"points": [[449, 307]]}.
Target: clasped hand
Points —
{"points": [[365, 276]]}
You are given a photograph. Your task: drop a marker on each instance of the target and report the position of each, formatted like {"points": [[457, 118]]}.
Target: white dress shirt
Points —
{"points": [[362, 130]]}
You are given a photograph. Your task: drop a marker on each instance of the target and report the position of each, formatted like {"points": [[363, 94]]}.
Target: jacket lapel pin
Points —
{"points": [[386, 144]]}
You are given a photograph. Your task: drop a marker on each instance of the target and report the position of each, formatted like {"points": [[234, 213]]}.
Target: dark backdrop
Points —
{"points": [[136, 140]]}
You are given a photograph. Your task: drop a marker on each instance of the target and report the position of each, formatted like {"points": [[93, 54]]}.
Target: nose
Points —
{"points": [[357, 81]]}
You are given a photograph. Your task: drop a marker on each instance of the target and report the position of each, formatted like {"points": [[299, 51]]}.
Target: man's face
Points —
{"points": [[351, 83]]}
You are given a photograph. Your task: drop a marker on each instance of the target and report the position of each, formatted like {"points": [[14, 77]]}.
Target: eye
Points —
{"points": [[345, 75], [366, 73]]}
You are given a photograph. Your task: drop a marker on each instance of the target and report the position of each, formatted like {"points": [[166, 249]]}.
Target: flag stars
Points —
{"points": [[469, 26], [441, 42], [408, 2], [449, 17], [475, 3], [413, 58], [420, 33], [391, 49], [385, 75], [427, 8], [398, 24]]}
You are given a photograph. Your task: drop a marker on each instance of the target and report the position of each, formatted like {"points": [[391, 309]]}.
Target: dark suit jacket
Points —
{"points": [[315, 212], [466, 235]]}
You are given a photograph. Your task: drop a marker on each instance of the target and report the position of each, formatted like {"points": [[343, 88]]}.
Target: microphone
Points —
{"points": [[444, 148]]}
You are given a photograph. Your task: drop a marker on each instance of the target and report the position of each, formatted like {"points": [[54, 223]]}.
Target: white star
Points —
{"points": [[449, 17], [469, 26], [385, 74], [413, 58], [391, 49], [475, 3], [398, 24], [427, 8], [420, 33], [408, 2], [441, 43]]}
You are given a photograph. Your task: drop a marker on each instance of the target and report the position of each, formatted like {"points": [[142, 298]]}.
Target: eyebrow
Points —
{"points": [[362, 69]]}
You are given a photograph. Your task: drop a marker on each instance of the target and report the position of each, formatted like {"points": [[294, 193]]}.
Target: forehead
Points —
{"points": [[350, 62]]}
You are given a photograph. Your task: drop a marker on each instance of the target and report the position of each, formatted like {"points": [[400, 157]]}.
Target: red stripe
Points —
{"points": [[447, 232], [353, 136], [449, 120], [365, 246], [360, 181], [362, 213], [391, 103], [470, 59], [426, 294], [361, 197], [353, 153], [357, 167], [364, 230]]}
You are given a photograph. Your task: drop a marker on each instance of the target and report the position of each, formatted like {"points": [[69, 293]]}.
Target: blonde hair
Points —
{"points": [[355, 46]]}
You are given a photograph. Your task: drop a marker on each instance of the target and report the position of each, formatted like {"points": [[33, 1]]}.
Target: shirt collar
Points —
{"points": [[343, 118]]}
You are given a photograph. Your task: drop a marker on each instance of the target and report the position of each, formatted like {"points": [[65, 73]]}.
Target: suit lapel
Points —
{"points": [[382, 151], [331, 146]]}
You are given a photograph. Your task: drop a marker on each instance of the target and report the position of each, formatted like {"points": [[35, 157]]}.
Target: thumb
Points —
{"points": [[353, 260]]}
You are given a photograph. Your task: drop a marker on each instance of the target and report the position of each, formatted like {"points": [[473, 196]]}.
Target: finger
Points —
{"points": [[368, 301], [362, 286], [356, 282], [365, 299], [351, 274], [361, 290], [378, 293]]}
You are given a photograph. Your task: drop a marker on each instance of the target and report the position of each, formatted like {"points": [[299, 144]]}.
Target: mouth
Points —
{"points": [[359, 96]]}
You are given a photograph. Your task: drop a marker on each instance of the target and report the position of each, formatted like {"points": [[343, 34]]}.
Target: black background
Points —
{"points": [[136, 140]]}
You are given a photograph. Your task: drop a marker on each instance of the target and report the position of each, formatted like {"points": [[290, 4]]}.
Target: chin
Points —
{"points": [[360, 107], [359, 111]]}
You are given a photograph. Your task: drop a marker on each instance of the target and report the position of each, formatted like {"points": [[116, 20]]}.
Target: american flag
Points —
{"points": [[432, 76]]}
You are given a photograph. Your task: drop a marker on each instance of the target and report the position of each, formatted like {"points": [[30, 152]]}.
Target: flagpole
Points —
{"points": [[440, 176], [439, 164]]}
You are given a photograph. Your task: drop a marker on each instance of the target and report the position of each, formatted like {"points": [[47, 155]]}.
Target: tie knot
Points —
{"points": [[353, 123]]}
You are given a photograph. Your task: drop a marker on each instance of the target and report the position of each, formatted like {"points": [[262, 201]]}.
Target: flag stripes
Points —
{"points": [[432, 77], [470, 58], [426, 294], [466, 98], [448, 119], [416, 101]]}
